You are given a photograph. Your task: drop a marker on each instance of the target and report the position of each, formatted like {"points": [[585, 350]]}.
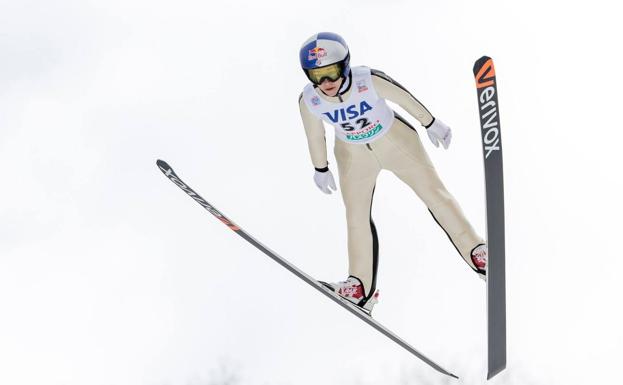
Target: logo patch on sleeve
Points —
{"points": [[361, 86]]}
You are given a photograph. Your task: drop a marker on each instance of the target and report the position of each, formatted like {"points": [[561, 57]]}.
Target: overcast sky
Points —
{"points": [[109, 274]]}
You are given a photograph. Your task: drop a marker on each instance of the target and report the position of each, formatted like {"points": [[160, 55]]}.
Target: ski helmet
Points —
{"points": [[323, 56]]}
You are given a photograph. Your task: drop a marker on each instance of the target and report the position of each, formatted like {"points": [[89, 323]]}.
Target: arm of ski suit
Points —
{"points": [[388, 88], [316, 141]]}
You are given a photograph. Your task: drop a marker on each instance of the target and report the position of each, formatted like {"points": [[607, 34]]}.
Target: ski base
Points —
{"points": [[491, 133]]}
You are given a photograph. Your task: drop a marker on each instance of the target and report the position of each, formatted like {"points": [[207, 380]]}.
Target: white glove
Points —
{"points": [[324, 180], [439, 132]]}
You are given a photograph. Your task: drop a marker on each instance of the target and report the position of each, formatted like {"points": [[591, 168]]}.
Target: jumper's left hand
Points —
{"points": [[439, 132]]}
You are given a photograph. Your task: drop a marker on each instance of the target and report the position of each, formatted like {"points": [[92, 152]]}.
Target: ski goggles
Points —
{"points": [[331, 72]]}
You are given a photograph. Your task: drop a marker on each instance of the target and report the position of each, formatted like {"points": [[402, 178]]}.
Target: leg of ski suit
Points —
{"points": [[358, 170], [400, 151]]}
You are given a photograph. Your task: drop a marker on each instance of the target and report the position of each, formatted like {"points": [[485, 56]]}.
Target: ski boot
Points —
{"points": [[352, 291], [479, 260]]}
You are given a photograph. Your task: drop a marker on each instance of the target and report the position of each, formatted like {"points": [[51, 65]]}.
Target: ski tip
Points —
{"points": [[162, 164], [480, 63], [165, 168], [484, 72]]}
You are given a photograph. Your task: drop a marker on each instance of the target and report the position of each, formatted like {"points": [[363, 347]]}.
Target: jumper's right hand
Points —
{"points": [[324, 181]]}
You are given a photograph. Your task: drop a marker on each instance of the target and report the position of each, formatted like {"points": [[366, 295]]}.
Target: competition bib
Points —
{"points": [[362, 118]]}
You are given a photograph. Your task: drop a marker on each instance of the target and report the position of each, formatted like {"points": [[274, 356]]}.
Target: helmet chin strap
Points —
{"points": [[345, 85]]}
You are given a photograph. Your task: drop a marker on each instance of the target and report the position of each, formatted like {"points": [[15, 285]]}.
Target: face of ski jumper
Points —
{"points": [[330, 88]]}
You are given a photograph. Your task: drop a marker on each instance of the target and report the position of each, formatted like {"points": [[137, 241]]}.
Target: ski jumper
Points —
{"points": [[370, 137]]}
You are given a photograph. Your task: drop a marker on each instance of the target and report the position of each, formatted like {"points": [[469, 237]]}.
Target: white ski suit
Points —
{"points": [[371, 137]]}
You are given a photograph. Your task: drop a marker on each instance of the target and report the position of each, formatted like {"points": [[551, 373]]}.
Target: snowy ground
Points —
{"points": [[110, 275]]}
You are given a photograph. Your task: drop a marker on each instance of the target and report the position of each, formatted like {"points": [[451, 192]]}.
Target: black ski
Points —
{"points": [[486, 85], [168, 171]]}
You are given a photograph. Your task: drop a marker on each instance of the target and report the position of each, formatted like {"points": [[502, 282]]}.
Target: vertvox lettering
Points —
{"points": [[487, 101], [488, 116]]}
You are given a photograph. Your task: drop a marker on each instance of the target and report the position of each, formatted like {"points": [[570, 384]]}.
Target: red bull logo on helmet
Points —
{"points": [[316, 54]]}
